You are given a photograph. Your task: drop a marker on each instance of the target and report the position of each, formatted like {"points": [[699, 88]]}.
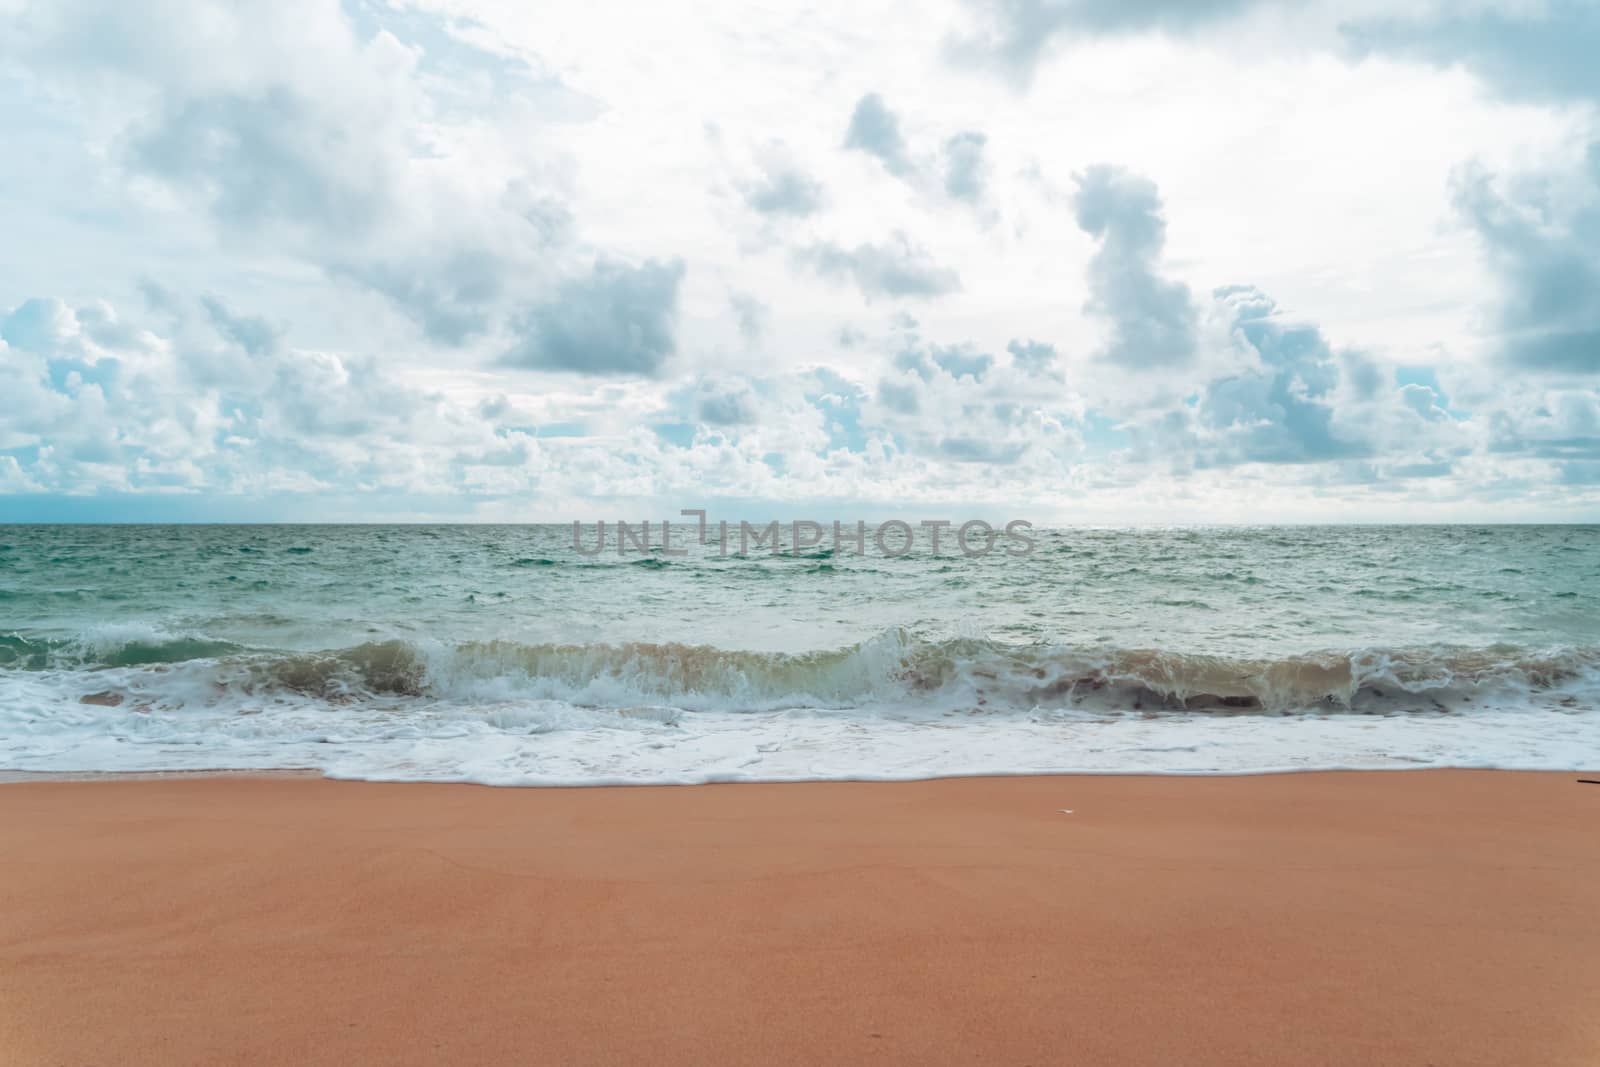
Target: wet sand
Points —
{"points": [[1447, 917]]}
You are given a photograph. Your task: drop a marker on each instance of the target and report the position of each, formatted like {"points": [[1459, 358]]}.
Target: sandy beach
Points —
{"points": [[1407, 917]]}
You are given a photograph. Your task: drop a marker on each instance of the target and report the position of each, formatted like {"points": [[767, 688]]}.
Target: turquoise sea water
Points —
{"points": [[506, 654]]}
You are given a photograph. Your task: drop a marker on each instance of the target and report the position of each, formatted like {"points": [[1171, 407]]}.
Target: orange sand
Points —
{"points": [[1446, 917]]}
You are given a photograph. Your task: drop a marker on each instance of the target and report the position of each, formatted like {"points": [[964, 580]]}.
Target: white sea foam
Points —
{"points": [[449, 723]]}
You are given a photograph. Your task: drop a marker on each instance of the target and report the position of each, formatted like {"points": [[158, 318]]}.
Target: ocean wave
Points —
{"points": [[124, 647], [896, 669]]}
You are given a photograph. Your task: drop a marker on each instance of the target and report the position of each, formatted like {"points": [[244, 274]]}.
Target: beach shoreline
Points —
{"points": [[1413, 916]]}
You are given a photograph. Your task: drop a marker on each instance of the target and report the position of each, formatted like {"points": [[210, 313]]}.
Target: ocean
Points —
{"points": [[520, 655]]}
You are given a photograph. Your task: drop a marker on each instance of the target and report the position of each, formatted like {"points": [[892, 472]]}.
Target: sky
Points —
{"points": [[1057, 260]]}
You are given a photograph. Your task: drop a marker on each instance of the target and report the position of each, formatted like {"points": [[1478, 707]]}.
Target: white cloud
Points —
{"points": [[375, 240]]}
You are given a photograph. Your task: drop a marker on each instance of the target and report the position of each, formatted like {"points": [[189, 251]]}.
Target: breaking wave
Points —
{"points": [[895, 669], [108, 648]]}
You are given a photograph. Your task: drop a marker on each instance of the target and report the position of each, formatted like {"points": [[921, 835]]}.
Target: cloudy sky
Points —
{"points": [[1064, 260]]}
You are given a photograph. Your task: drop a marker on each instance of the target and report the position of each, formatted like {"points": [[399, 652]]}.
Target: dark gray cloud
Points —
{"points": [[1562, 426], [898, 397], [783, 189], [1541, 245], [451, 298], [280, 162], [322, 141], [914, 360], [270, 158], [616, 319], [725, 404], [875, 130], [1548, 263], [100, 324], [1033, 357], [1153, 320], [1534, 52], [751, 315], [159, 298], [975, 450], [1283, 411], [961, 164], [1526, 51], [1013, 35], [897, 268], [255, 335], [959, 360], [965, 169], [1363, 375]]}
